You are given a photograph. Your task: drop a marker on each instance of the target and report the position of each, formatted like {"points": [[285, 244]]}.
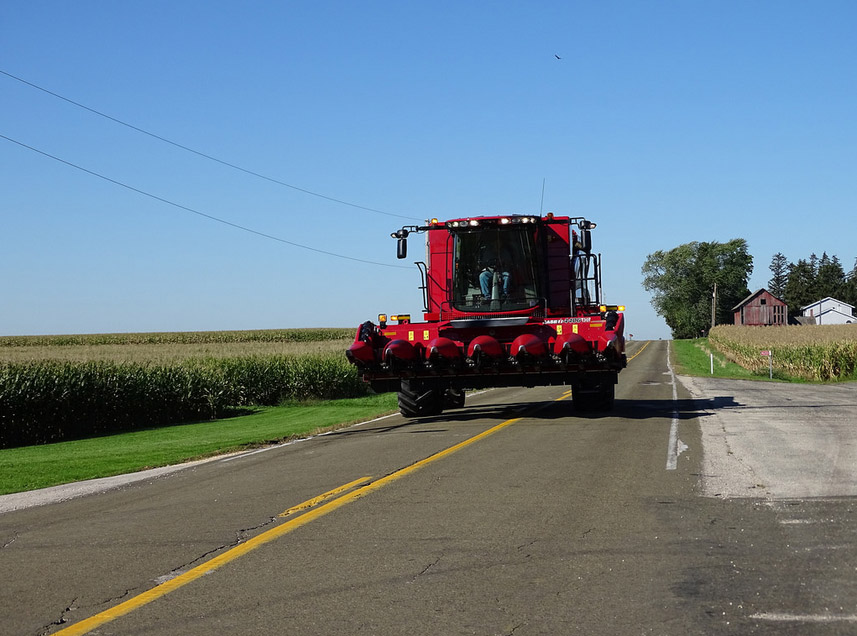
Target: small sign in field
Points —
{"points": [[770, 362]]}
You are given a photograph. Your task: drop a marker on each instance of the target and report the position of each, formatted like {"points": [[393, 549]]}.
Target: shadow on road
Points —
{"points": [[684, 409], [497, 412], [641, 409]]}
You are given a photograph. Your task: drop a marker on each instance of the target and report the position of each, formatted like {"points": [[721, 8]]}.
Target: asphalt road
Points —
{"points": [[695, 507]]}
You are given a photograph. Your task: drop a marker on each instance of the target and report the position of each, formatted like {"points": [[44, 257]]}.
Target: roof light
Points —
{"points": [[401, 318], [504, 221]]}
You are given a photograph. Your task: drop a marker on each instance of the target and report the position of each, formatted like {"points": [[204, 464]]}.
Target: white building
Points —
{"points": [[829, 311]]}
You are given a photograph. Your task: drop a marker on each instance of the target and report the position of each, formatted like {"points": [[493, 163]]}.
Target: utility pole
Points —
{"points": [[714, 307]]}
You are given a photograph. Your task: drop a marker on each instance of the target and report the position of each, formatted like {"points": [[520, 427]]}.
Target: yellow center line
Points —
{"points": [[220, 560], [312, 503], [640, 351]]}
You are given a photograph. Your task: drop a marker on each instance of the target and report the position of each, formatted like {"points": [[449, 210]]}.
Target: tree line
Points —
{"points": [[691, 282], [809, 280], [698, 284]]}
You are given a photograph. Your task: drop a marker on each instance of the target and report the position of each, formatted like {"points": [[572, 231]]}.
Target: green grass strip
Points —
{"points": [[32, 467], [693, 357]]}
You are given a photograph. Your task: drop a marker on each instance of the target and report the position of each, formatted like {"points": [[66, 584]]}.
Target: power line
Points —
{"points": [[201, 154], [197, 212]]}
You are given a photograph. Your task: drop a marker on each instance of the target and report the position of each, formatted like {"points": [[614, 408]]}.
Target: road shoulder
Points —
{"points": [[776, 440]]}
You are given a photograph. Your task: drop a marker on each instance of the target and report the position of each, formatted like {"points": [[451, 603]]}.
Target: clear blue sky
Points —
{"points": [[664, 122]]}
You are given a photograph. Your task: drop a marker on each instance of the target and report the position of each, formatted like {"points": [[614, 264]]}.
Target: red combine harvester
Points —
{"points": [[509, 301]]}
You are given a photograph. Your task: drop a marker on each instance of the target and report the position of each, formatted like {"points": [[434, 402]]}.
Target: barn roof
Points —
{"points": [[754, 295]]}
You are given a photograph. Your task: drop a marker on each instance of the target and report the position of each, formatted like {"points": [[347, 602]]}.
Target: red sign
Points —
{"points": [[766, 353]]}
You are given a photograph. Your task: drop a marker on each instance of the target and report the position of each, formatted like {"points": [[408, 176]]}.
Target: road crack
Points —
{"points": [[178, 571], [62, 620], [524, 547], [73, 607], [242, 534], [427, 568], [240, 537]]}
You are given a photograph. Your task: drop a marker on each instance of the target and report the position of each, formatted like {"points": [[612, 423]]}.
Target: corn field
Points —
{"points": [[53, 398], [808, 352], [180, 337]]}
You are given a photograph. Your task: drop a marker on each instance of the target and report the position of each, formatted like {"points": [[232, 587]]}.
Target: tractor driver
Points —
{"points": [[492, 265]]}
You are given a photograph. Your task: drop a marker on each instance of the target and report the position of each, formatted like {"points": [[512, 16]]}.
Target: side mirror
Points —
{"points": [[586, 241], [402, 245]]}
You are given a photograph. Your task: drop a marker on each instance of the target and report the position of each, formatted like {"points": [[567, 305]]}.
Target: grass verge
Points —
{"points": [[693, 357], [32, 467]]}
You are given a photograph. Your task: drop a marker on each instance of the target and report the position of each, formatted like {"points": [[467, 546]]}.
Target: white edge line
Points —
{"points": [[64, 492], [805, 618], [256, 451], [672, 444]]}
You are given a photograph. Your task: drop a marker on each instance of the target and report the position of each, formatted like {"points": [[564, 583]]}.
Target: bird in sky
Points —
{"points": [[557, 56]]}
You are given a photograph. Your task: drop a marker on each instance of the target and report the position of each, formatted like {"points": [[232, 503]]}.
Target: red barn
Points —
{"points": [[761, 308]]}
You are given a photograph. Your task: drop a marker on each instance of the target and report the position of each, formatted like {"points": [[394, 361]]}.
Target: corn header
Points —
{"points": [[509, 301]]}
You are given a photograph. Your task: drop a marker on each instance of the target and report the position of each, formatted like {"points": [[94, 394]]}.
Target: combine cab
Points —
{"points": [[509, 301]]}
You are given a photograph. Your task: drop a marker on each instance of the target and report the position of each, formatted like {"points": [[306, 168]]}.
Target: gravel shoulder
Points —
{"points": [[776, 441]]}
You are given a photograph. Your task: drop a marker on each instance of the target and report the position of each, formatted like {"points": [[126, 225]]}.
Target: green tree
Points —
{"points": [[801, 288], [829, 278], [682, 281], [813, 263], [849, 292], [779, 275]]}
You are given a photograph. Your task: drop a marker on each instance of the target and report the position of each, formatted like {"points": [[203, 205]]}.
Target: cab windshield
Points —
{"points": [[495, 269]]}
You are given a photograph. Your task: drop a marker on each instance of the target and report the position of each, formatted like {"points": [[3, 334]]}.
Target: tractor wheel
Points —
{"points": [[419, 402], [453, 399]]}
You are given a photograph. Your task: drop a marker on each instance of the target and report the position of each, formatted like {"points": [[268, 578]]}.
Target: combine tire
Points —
{"points": [[420, 402]]}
